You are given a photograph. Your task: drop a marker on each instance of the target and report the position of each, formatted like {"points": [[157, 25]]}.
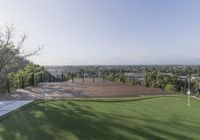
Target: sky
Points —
{"points": [[107, 32]]}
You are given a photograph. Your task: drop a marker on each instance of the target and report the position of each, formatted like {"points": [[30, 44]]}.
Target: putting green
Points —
{"points": [[155, 118]]}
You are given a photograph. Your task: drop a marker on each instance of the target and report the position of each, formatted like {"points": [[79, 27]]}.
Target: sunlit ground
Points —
{"points": [[156, 118]]}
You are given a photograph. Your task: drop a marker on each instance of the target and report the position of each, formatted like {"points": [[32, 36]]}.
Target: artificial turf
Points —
{"points": [[155, 118]]}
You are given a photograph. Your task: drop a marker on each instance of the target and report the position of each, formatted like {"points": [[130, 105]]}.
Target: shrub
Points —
{"points": [[170, 88]]}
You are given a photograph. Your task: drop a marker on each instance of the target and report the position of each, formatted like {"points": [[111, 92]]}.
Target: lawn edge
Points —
{"points": [[108, 100]]}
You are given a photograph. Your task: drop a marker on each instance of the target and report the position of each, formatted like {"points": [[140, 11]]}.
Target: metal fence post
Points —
{"points": [[22, 80], [49, 76], [103, 77], [93, 77], [72, 77], [8, 85], [83, 76], [133, 80], [114, 76], [41, 77], [33, 79], [62, 77]]}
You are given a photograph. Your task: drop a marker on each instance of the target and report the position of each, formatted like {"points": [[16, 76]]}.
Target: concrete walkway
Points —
{"points": [[9, 106]]}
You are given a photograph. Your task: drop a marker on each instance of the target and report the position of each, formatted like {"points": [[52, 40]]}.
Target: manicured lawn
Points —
{"points": [[157, 118]]}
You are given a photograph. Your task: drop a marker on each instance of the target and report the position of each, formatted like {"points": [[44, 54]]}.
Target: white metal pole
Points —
{"points": [[188, 93], [46, 107], [188, 104]]}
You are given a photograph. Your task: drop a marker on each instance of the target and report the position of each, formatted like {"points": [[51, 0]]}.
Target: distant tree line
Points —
{"points": [[173, 78]]}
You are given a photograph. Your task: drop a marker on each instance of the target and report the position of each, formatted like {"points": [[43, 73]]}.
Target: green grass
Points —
{"points": [[156, 118]]}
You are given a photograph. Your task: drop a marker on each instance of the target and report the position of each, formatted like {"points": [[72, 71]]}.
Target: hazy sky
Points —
{"points": [[108, 31]]}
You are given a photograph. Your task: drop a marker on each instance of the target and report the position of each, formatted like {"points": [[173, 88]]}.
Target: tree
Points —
{"points": [[11, 49]]}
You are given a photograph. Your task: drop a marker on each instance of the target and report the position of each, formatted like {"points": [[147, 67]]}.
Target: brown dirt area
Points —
{"points": [[78, 89]]}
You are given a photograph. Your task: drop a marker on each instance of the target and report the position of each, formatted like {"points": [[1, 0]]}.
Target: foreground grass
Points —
{"points": [[156, 118]]}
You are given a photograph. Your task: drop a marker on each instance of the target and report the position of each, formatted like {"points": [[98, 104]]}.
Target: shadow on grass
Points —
{"points": [[72, 120]]}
